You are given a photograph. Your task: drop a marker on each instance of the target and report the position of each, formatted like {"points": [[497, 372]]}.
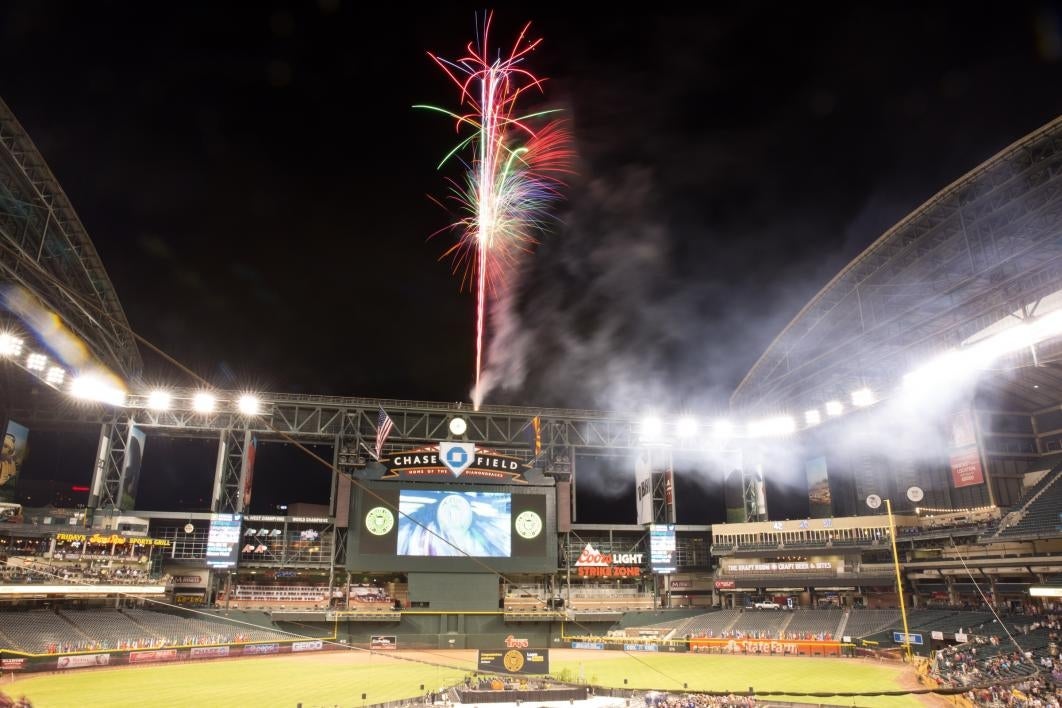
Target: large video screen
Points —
{"points": [[223, 540], [662, 548], [454, 523], [432, 527]]}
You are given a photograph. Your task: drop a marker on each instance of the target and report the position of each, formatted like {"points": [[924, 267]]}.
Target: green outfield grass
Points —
{"points": [[738, 673], [340, 679], [321, 680]]}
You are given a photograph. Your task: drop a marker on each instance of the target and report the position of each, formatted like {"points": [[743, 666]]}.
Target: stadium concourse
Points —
{"points": [[933, 513]]}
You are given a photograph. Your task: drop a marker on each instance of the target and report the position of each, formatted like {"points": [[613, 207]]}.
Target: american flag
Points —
{"points": [[384, 426]]}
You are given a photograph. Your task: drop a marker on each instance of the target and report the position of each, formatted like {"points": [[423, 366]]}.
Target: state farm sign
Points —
{"points": [[592, 564]]}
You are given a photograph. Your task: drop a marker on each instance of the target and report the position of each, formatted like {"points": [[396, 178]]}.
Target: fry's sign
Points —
{"points": [[592, 564]]}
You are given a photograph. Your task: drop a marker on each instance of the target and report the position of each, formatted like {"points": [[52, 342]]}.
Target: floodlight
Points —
{"points": [[10, 345], [863, 397], [686, 427], [834, 408], [722, 428], [812, 417], [652, 429], [204, 402], [159, 400], [55, 376], [36, 362], [92, 387], [249, 404]]}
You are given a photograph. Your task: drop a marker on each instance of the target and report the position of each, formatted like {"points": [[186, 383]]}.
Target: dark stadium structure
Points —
{"points": [[976, 519]]}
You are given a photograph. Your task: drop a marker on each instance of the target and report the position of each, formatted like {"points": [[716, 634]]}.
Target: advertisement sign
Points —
{"points": [[12, 454], [724, 584], [188, 580], [915, 639], [82, 660], [208, 652], [254, 649], [12, 664], [830, 566], [146, 657], [514, 661], [449, 460], [315, 645], [588, 645], [383, 641], [592, 564], [641, 647], [250, 453], [937, 634]]}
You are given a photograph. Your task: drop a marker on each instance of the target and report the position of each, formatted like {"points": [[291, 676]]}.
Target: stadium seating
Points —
{"points": [[47, 631], [815, 622], [863, 623], [1039, 515]]}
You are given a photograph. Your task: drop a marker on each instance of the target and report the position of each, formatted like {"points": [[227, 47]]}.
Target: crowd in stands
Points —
{"points": [[145, 643], [1001, 676], [696, 700], [39, 571]]}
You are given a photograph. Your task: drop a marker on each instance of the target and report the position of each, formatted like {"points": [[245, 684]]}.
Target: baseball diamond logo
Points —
{"points": [[457, 456]]}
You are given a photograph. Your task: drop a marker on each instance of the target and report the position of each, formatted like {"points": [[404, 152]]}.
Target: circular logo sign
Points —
{"points": [[873, 501], [915, 494], [528, 524], [379, 520], [513, 660]]}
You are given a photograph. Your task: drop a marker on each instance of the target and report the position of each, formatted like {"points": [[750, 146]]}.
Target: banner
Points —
{"points": [[208, 652], [314, 645], [643, 481], [146, 657], [130, 480], [447, 461], [514, 661], [820, 502], [261, 649], [965, 457], [12, 455], [966, 470], [383, 641], [82, 660]]}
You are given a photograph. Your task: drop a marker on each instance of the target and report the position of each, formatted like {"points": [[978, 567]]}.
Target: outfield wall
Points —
{"points": [[19, 661]]}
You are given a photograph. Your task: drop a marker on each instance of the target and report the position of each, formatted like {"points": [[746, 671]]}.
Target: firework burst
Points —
{"points": [[514, 165]]}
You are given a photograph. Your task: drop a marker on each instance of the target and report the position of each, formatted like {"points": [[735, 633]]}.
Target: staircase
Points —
{"points": [[844, 623]]}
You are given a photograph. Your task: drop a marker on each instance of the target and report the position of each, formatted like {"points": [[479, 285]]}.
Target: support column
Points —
{"points": [[106, 489], [230, 471]]}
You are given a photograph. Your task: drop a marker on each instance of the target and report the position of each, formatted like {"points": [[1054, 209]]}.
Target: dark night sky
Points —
{"points": [[256, 183]]}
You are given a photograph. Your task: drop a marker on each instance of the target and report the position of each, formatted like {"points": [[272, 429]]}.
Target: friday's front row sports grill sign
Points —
{"points": [[455, 461], [514, 661]]}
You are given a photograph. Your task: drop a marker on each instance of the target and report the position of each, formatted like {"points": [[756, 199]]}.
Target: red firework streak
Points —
{"points": [[514, 166]]}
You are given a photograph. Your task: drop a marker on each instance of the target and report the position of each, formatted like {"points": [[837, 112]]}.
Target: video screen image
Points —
{"points": [[472, 523]]}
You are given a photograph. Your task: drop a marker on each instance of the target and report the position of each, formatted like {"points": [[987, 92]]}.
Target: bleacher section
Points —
{"points": [[711, 622], [47, 631], [815, 622], [1039, 515], [761, 623], [863, 623]]}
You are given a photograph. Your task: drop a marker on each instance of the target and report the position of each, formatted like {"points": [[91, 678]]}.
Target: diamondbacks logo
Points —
{"points": [[457, 457], [513, 660]]}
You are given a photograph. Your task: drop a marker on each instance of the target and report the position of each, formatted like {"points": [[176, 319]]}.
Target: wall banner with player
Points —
{"points": [[514, 661]]}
